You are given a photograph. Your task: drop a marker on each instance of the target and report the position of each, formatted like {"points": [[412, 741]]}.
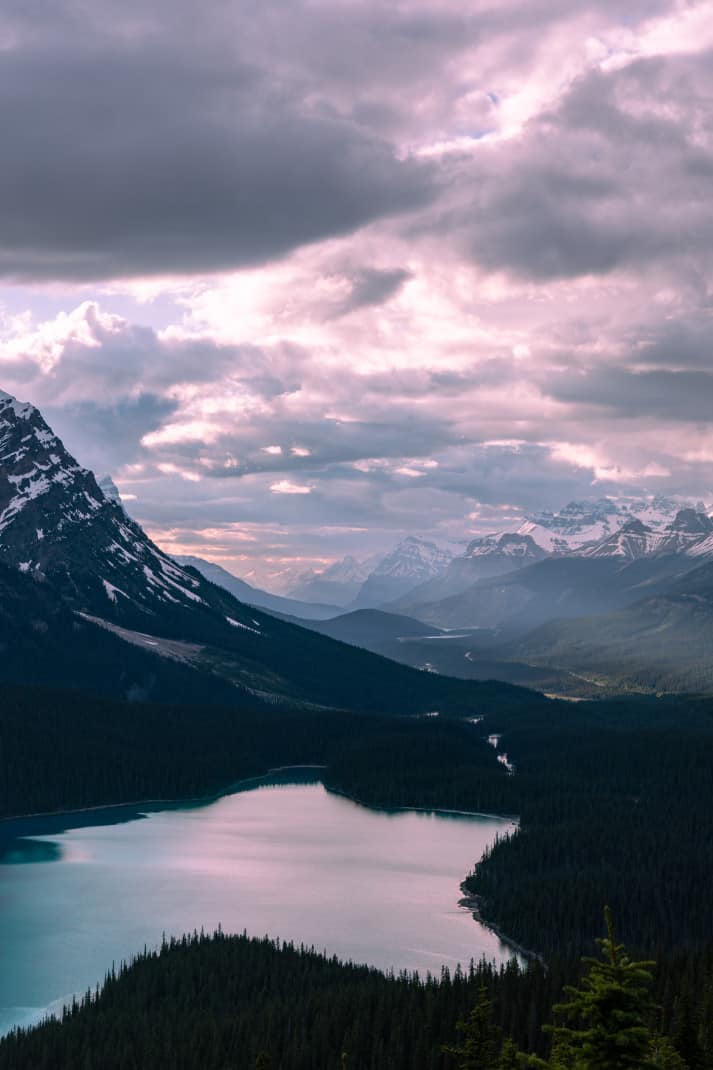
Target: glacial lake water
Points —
{"points": [[277, 857]]}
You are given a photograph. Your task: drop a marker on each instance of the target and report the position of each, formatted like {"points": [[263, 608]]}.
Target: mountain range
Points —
{"points": [[511, 578], [87, 600], [607, 594], [354, 584], [417, 572]]}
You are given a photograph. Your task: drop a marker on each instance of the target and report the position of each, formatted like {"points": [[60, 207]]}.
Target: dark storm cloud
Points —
{"points": [[665, 372], [680, 396], [679, 344], [135, 157], [373, 286], [178, 138]]}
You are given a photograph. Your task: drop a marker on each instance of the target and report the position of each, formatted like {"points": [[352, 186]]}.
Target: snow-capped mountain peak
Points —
{"points": [[692, 522], [688, 533], [34, 465], [634, 539], [515, 544], [583, 523], [57, 523], [348, 570], [415, 559]]}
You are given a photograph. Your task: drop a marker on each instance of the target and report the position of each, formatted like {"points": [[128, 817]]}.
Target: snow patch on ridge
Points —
{"points": [[237, 624]]}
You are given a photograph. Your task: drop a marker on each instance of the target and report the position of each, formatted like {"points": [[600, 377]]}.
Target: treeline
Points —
{"points": [[236, 1003]]}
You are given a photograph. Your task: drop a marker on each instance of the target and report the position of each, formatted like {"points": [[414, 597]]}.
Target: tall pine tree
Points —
{"points": [[481, 1038], [607, 1016]]}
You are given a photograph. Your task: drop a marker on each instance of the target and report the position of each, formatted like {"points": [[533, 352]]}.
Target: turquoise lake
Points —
{"points": [[289, 859]]}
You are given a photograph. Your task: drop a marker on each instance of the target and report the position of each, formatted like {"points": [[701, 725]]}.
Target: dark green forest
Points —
{"points": [[62, 750]]}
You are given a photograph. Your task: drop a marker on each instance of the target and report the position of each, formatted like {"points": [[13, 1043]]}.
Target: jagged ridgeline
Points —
{"points": [[88, 600]]}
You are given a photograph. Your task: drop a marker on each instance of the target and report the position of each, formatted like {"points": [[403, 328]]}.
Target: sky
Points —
{"points": [[306, 277]]}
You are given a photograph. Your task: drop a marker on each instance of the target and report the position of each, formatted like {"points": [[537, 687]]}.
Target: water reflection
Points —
{"points": [[19, 851]]}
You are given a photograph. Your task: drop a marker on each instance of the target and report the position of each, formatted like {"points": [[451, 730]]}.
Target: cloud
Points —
{"points": [[327, 274], [152, 140], [617, 174], [373, 286], [286, 486], [667, 395], [129, 151]]}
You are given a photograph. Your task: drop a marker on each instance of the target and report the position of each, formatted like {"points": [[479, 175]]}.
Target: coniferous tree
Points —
{"points": [[664, 1056], [685, 1030], [609, 1012], [481, 1039], [509, 1056]]}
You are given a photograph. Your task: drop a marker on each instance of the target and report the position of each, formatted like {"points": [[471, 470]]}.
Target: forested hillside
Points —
{"points": [[211, 1003]]}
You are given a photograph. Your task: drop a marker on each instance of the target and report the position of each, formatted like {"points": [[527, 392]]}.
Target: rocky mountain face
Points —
{"points": [[539, 568], [485, 557], [688, 533], [57, 524], [358, 584], [583, 522], [414, 559]]}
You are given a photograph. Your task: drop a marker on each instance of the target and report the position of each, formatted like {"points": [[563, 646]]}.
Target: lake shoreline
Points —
{"points": [[512, 818], [183, 800], [230, 789], [474, 904]]}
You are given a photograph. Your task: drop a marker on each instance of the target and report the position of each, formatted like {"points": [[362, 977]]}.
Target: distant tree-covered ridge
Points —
{"points": [[62, 750]]}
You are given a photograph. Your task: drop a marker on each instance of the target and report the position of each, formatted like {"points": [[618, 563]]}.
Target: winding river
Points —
{"points": [[281, 855]]}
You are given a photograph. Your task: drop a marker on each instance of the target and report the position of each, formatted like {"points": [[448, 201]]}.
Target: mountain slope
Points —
{"points": [[556, 587], [44, 641], [582, 522], [663, 642], [253, 596], [689, 533]]}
